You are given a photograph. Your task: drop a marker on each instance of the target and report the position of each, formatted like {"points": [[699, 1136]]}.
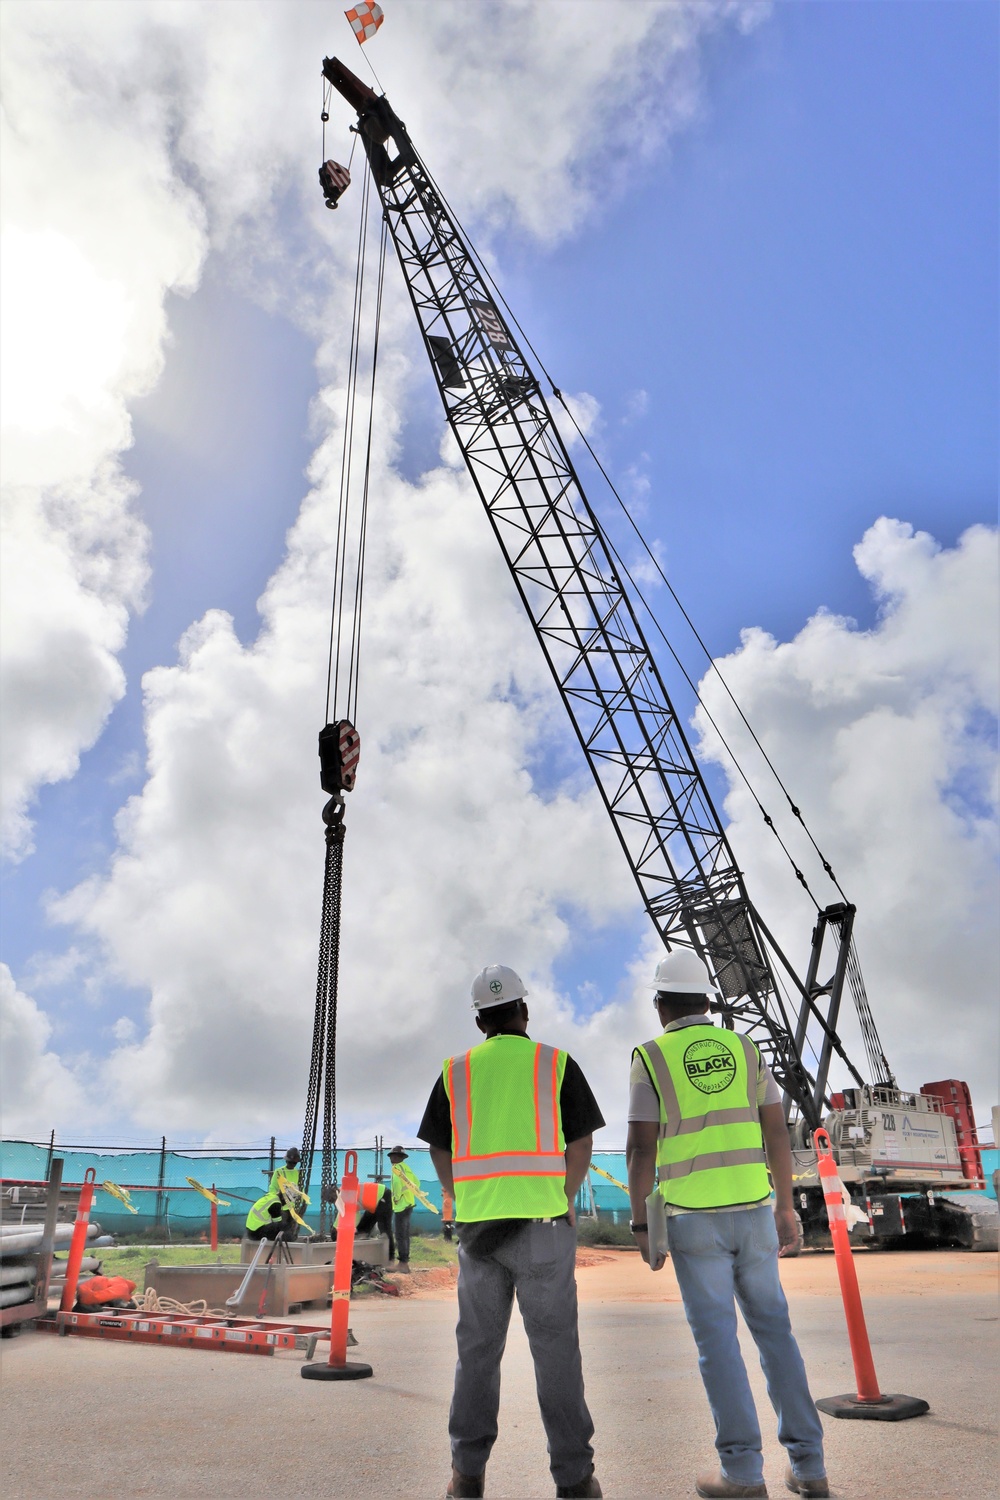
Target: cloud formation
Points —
{"points": [[192, 137], [38, 1092], [888, 738], [189, 130]]}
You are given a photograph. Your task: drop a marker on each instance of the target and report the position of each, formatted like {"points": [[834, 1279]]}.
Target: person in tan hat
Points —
{"points": [[404, 1180]]}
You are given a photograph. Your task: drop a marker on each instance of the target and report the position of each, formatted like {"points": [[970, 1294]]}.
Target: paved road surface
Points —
{"points": [[87, 1418]]}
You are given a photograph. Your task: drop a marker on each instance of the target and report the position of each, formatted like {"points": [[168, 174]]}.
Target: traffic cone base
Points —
{"points": [[324, 1371], [886, 1409]]}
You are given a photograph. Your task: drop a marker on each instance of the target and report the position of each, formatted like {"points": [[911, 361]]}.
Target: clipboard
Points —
{"points": [[656, 1220]]}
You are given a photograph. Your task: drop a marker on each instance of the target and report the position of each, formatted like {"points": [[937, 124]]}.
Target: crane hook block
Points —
{"points": [[339, 748], [334, 180]]}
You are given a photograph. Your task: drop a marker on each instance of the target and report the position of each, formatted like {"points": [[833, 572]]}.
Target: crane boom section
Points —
{"points": [[568, 582]]}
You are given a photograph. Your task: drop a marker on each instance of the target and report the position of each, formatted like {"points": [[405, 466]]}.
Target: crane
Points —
{"points": [[570, 583]]}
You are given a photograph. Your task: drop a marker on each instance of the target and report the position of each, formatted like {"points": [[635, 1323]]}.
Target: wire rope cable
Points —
{"points": [[795, 810], [872, 1042]]}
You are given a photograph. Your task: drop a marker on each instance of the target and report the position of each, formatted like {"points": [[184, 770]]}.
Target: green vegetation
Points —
{"points": [[602, 1232], [131, 1260], [432, 1250]]}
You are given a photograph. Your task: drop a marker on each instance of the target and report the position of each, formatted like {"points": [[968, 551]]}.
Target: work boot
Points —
{"points": [[466, 1486], [809, 1487], [584, 1489], [718, 1487]]}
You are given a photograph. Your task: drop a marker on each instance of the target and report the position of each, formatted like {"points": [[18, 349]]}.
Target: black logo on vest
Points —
{"points": [[709, 1065]]}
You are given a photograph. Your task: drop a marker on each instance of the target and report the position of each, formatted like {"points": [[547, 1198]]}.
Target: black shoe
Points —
{"points": [[584, 1489]]}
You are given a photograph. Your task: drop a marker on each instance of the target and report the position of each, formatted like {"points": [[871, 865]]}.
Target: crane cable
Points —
{"points": [[872, 1041], [344, 663], [557, 393], [342, 683]]}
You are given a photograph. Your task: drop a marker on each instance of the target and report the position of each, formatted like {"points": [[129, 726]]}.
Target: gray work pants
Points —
{"points": [[538, 1262]]}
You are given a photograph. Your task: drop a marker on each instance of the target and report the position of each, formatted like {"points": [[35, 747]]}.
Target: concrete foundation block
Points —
{"points": [[283, 1286]]}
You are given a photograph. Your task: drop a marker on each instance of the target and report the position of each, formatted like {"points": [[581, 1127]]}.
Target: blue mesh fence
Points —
{"points": [[176, 1211]]}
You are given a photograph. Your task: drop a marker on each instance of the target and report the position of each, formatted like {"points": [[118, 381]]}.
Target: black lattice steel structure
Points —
{"points": [[586, 625]]}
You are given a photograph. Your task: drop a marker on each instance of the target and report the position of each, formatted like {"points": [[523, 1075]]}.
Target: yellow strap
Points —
{"points": [[601, 1173], [290, 1190], [208, 1193], [416, 1190], [122, 1194]]}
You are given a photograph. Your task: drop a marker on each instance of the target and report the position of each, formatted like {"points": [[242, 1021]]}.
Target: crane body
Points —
{"points": [[589, 630]]}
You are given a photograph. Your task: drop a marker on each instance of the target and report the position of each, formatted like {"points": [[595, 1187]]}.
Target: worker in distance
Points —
{"points": [[404, 1186], [510, 1126], [705, 1115], [270, 1215]]}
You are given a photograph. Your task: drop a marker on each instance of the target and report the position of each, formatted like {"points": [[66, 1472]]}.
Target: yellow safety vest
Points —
{"points": [[403, 1196], [710, 1151], [259, 1213], [507, 1143]]}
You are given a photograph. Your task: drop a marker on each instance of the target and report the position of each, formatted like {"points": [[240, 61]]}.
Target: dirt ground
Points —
{"points": [[610, 1275]]}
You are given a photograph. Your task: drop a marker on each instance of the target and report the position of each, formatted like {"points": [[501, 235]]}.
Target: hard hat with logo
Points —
{"points": [[496, 985], [683, 973]]}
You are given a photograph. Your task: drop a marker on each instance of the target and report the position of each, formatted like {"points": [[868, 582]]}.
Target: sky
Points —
{"points": [[758, 245]]}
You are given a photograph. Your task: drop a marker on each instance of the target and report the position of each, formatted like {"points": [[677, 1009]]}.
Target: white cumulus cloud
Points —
{"points": [[38, 1093], [887, 740], [192, 133]]}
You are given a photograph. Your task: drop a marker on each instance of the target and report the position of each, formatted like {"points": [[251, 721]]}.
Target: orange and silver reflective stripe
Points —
{"points": [[546, 1070], [546, 1099], [461, 1103], [510, 1164]]}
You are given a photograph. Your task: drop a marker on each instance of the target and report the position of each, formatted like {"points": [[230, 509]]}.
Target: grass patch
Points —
{"points": [[432, 1250], [131, 1260], [602, 1232]]}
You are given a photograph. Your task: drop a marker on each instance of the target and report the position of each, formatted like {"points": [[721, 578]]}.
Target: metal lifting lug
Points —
{"points": [[333, 812]]}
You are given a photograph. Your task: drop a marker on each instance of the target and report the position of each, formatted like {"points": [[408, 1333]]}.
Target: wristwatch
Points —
{"points": [[638, 1228]]}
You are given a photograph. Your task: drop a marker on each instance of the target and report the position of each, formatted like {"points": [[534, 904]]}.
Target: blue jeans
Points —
{"points": [[721, 1259]]}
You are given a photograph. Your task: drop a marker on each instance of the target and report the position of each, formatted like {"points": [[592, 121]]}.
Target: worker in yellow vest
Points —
{"points": [[404, 1180], [706, 1115], [269, 1215], [510, 1128]]}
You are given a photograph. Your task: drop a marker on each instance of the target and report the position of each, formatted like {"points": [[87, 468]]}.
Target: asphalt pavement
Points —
{"points": [[83, 1417]]}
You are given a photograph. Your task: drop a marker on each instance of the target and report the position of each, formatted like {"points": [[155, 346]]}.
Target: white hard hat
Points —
{"points": [[683, 973], [496, 985]]}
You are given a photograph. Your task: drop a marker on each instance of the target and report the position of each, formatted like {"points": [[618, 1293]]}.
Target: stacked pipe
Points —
{"points": [[19, 1248]]}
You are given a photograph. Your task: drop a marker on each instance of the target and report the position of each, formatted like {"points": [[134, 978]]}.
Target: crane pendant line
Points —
{"points": [[585, 623]]}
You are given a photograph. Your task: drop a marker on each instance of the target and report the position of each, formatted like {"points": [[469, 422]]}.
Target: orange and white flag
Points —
{"points": [[366, 17]]}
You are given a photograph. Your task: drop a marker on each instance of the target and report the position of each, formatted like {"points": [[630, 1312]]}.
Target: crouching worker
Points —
{"points": [[705, 1111], [269, 1215], [379, 1217], [510, 1128]]}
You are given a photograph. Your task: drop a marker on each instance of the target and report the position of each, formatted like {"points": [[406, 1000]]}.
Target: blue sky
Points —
{"points": [[801, 282]]}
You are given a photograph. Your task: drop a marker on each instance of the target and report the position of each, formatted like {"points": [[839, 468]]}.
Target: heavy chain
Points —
{"points": [[323, 1063]]}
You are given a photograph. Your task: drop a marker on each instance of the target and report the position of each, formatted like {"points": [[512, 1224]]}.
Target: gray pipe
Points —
{"points": [[14, 1275], [11, 1296], [88, 1263], [18, 1241]]}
